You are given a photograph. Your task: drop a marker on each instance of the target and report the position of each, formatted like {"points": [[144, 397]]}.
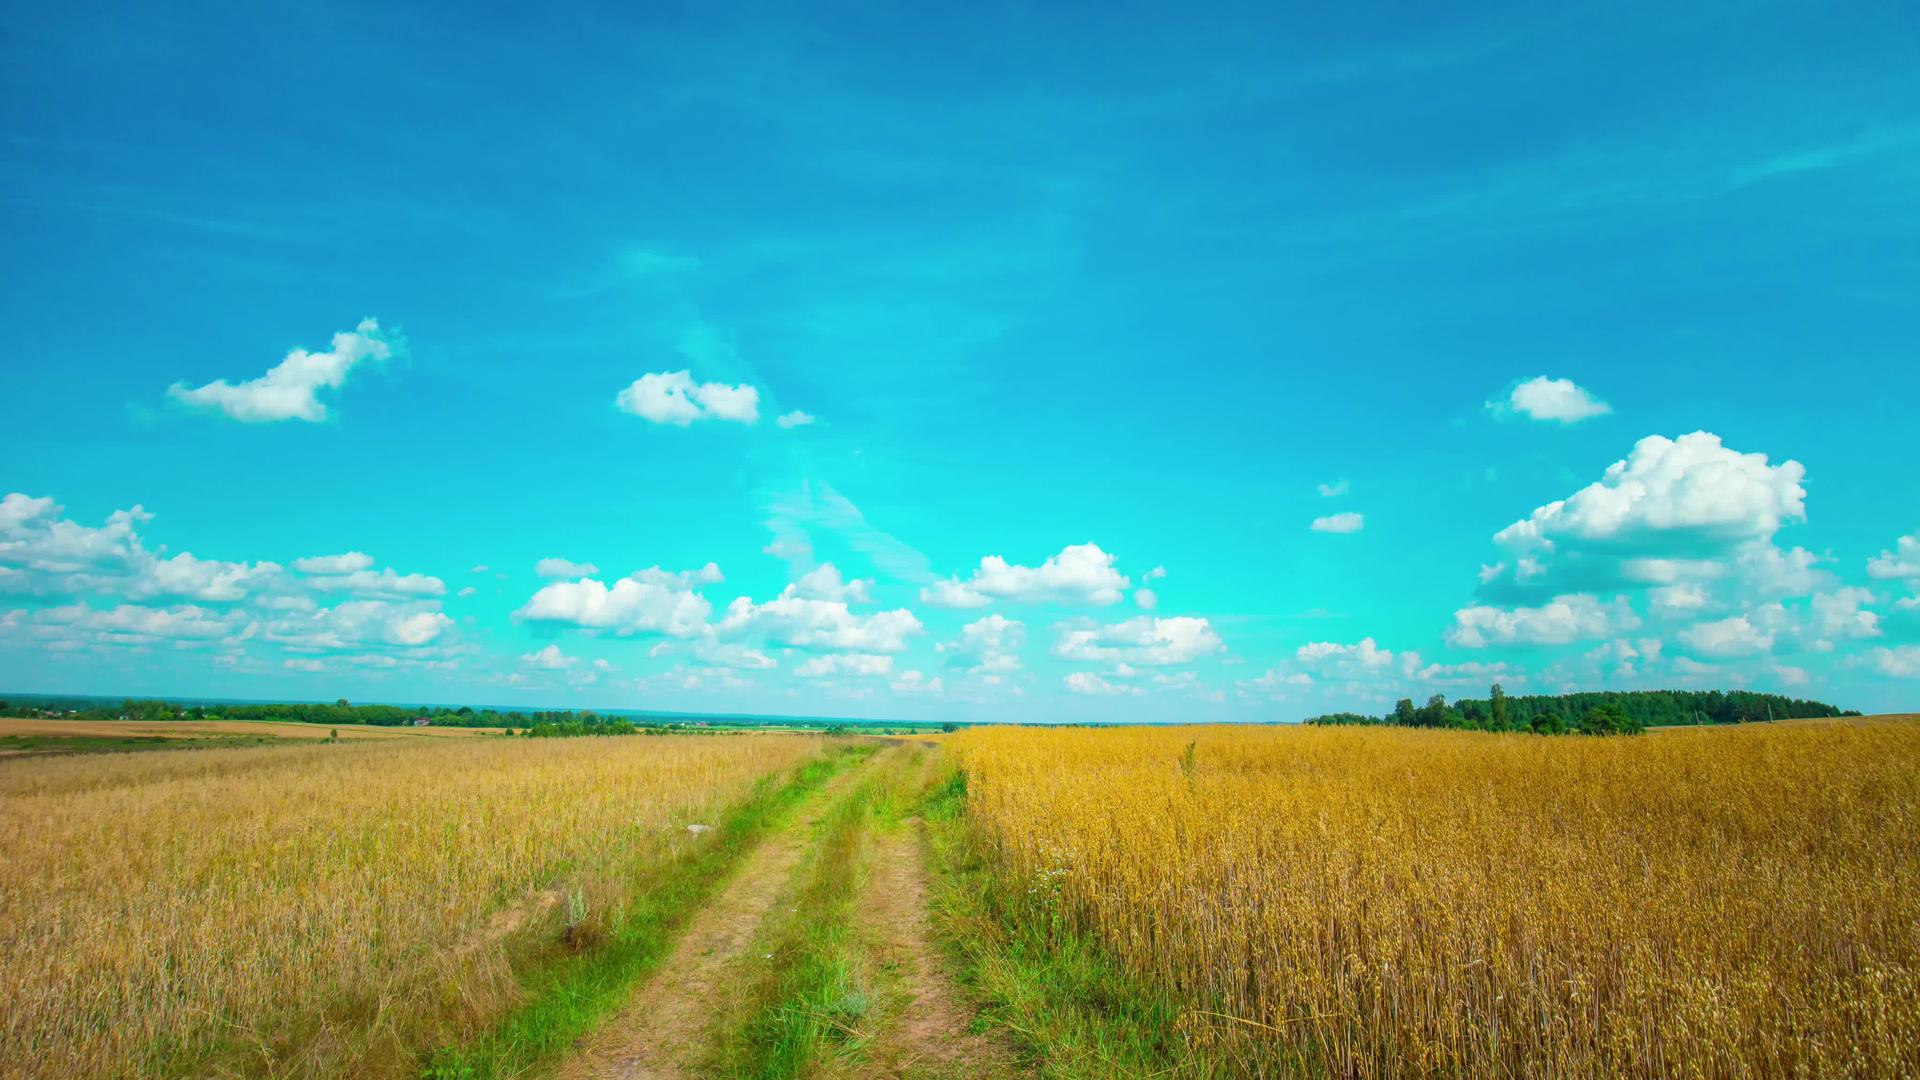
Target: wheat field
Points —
{"points": [[1391, 902], [319, 909]]}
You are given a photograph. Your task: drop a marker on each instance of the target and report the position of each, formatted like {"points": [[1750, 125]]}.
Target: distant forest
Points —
{"points": [[1603, 712], [532, 722]]}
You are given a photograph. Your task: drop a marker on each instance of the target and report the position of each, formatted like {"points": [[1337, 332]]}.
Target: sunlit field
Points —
{"points": [[320, 909], [1391, 902]]}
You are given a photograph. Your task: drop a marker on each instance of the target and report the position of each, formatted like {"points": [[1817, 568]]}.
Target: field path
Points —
{"points": [[930, 1037], [662, 1031]]}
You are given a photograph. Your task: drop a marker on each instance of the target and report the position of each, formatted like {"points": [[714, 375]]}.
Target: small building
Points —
{"points": [[419, 721]]}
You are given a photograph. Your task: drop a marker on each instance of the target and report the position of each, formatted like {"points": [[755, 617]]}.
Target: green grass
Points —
{"points": [[570, 992], [1075, 1011], [815, 995]]}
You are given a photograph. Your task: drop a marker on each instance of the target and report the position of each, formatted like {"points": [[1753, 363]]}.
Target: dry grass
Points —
{"points": [[1725, 903], [317, 910]]}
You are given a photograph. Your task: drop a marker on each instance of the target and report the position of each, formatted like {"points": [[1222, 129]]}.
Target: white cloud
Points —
{"points": [[1791, 676], [199, 579], [555, 567], [1686, 490], [1275, 683], [857, 664], [1142, 639], [18, 508], [134, 624], [361, 622], [1562, 620], [950, 593], [386, 583], [1348, 522], [1674, 600], [992, 644], [824, 582], [334, 564], [1902, 563], [1471, 673], [820, 624], [794, 419], [1901, 662], [913, 682], [1146, 599], [1335, 489], [1541, 398], [672, 397], [1080, 574], [731, 655], [1840, 614], [1361, 657], [287, 391], [549, 659], [1086, 682], [1728, 638], [303, 664], [1674, 511], [650, 601]]}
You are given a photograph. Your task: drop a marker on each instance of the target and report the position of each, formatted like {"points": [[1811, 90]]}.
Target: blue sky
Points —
{"points": [[1083, 310]]}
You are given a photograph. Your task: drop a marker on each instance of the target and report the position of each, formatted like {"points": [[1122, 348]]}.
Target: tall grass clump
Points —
{"points": [[1384, 903]]}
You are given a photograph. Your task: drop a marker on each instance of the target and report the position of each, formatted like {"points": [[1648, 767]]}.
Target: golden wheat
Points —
{"points": [[324, 908], [1380, 903]]}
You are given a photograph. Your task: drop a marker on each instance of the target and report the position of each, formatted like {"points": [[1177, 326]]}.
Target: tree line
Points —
{"points": [[1598, 712]]}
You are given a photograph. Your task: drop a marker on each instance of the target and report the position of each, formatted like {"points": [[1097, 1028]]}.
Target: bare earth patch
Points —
{"points": [[930, 1037], [662, 1032]]}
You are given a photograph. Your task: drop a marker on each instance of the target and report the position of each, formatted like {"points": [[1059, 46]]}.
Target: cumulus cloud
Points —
{"points": [[1902, 563], [794, 419], [672, 397], [189, 578], [1348, 522], [1146, 599], [1683, 495], [1080, 574], [1901, 662], [288, 391], [1673, 511], [795, 620], [387, 583], [1730, 638], [1541, 398], [549, 659], [1274, 683], [1841, 615], [1333, 489], [913, 682], [555, 567], [857, 664], [650, 601], [42, 553], [1562, 620], [1142, 639], [1086, 682], [361, 622], [1344, 660], [991, 644], [134, 624], [334, 564], [824, 582]]}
